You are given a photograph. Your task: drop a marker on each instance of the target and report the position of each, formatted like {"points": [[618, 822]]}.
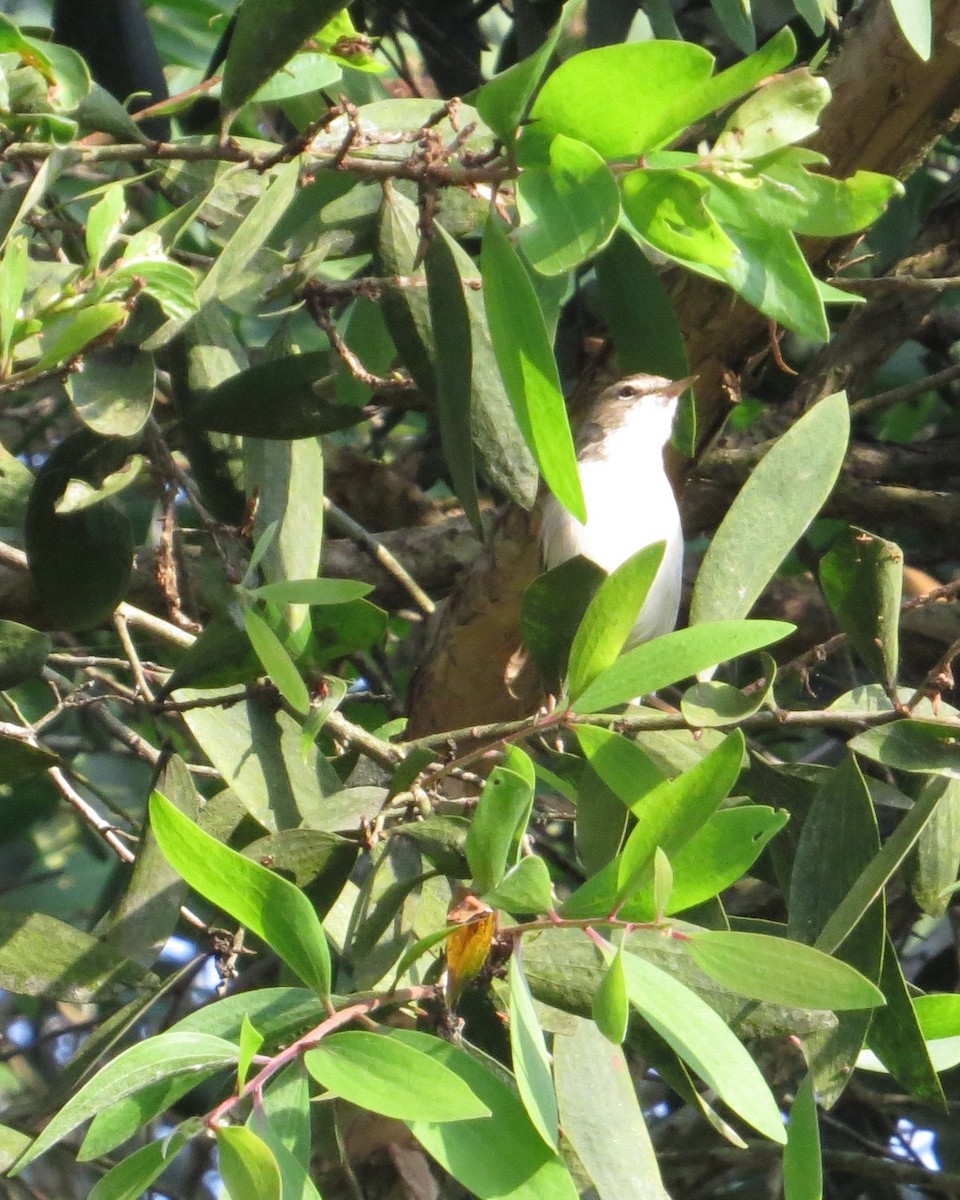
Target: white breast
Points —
{"points": [[630, 505]]}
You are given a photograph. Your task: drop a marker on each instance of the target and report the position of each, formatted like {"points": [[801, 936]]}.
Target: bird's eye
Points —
{"points": [[625, 392]]}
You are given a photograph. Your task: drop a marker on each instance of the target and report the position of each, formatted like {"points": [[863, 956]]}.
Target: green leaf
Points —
{"points": [[897, 1038], [249, 1170], [113, 394], [13, 283], [862, 580], [528, 368], [712, 703], [257, 750], [104, 221], [531, 1062], [782, 971], [453, 366], [637, 311], [611, 616], [304, 73], [19, 760], [676, 656], [932, 869], [388, 1077], [610, 1139], [265, 903], [23, 653], [499, 820], [146, 914], [79, 495], [737, 20], [628, 99], [701, 1038], [837, 843], [80, 562], [611, 1005], [525, 888], [622, 765], [624, 100], [552, 611], [802, 1161], [43, 957], [276, 662], [131, 1178], [236, 405], [922, 747], [769, 270], [718, 854], [498, 444], [915, 18], [267, 35], [158, 1058], [875, 875], [250, 1043], [65, 337], [811, 203], [669, 210], [503, 100], [295, 1182], [668, 814], [500, 1157], [769, 516], [782, 111], [568, 201], [312, 591]]}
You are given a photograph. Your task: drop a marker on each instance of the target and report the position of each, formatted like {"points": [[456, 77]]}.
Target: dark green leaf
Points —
{"points": [[503, 100], [41, 956], [267, 35], [453, 365], [862, 580], [638, 312], [80, 562], [552, 610], [23, 652], [897, 1038], [933, 868], [296, 411]]}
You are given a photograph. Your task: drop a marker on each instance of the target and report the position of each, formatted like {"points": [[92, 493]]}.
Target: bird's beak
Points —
{"points": [[679, 386]]}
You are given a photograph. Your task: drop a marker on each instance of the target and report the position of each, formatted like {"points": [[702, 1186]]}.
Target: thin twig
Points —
{"points": [[380, 553], [136, 666], [874, 404]]}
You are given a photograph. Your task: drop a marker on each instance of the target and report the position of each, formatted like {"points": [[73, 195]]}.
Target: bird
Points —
{"points": [[630, 503]]}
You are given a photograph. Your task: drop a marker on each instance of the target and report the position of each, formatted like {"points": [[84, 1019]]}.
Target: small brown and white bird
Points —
{"points": [[629, 499]]}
